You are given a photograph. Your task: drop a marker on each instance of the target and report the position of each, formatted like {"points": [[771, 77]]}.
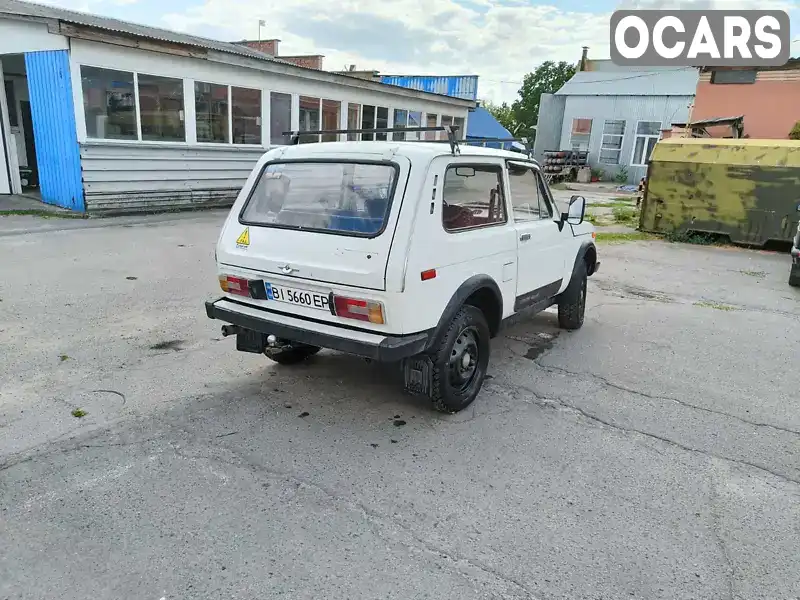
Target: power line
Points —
{"points": [[615, 79]]}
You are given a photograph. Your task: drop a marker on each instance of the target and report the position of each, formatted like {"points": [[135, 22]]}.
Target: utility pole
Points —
{"points": [[261, 23]]}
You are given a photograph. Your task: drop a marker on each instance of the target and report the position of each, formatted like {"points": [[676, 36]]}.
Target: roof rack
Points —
{"points": [[451, 130]]}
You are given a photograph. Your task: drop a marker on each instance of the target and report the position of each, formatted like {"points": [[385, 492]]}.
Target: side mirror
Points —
{"points": [[575, 212]]}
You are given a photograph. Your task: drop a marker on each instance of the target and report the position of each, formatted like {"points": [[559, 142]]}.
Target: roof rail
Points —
{"points": [[451, 130]]}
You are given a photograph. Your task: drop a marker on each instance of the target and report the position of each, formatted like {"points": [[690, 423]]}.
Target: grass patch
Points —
{"points": [[612, 203], [44, 214], [621, 238], [715, 306], [625, 215], [63, 357], [79, 413], [760, 274], [696, 237]]}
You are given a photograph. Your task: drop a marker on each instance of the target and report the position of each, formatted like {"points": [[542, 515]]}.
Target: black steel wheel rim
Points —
{"points": [[582, 306], [463, 363]]}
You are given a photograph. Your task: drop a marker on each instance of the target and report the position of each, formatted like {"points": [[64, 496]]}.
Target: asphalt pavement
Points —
{"points": [[653, 454]]}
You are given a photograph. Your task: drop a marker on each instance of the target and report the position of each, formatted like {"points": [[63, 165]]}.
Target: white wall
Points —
{"points": [[192, 69], [23, 36]]}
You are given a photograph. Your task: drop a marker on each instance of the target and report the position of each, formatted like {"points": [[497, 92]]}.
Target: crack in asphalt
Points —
{"points": [[378, 520], [605, 381], [716, 528]]}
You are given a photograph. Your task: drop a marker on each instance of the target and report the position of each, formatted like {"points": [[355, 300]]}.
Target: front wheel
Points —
{"points": [[794, 275], [572, 302], [291, 355], [461, 361]]}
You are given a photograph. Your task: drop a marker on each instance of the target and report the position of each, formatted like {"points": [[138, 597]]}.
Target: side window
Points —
{"points": [[529, 197], [473, 197], [546, 202]]}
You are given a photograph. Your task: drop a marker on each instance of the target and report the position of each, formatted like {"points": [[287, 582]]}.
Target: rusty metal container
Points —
{"points": [[746, 189]]}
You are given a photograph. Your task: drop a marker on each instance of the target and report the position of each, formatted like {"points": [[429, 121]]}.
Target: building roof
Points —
{"points": [[673, 82], [712, 122], [30, 10]]}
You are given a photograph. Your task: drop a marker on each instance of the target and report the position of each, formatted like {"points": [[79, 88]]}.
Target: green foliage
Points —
{"points": [[548, 77], [504, 115], [619, 238], [794, 134], [599, 173], [622, 175], [625, 215]]}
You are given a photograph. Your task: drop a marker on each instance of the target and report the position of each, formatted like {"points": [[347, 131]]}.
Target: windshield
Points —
{"points": [[348, 198]]}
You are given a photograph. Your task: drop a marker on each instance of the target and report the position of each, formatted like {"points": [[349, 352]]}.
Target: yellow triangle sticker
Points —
{"points": [[244, 239]]}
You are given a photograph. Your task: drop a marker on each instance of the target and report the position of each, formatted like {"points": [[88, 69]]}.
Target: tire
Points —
{"points": [[572, 303], [794, 275], [291, 356], [454, 384]]}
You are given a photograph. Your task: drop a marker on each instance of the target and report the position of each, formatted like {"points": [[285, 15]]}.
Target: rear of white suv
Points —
{"points": [[303, 256]]}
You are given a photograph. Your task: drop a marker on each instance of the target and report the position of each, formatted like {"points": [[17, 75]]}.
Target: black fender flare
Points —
{"points": [[580, 256], [464, 291]]}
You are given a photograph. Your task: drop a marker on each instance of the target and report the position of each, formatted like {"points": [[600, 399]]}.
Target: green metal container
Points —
{"points": [[746, 189]]}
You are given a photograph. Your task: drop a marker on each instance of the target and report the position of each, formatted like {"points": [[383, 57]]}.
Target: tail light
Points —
{"points": [[361, 310], [234, 285]]}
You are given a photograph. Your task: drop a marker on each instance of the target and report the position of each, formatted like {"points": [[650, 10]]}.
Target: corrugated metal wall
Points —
{"points": [[457, 86], [127, 178], [631, 109], [548, 128], [53, 114]]}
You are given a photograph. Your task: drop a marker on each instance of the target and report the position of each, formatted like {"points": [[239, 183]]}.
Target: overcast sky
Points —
{"points": [[499, 40]]}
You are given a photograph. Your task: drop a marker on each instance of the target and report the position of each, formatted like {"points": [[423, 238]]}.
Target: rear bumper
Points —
{"points": [[378, 347]]}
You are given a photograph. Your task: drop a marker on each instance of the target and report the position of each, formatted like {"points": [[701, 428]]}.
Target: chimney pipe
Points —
{"points": [[583, 58]]}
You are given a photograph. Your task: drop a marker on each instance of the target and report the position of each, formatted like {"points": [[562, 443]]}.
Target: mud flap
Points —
{"points": [[251, 341], [418, 375]]}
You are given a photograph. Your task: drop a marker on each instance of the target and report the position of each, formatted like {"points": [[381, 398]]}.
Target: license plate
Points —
{"points": [[298, 297]]}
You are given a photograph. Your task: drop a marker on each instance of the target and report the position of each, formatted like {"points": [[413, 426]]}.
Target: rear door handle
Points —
{"points": [[524, 237]]}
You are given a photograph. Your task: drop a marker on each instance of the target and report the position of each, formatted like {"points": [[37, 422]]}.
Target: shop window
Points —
{"points": [[161, 108], [414, 120], [368, 122], [400, 122], [211, 112], [109, 104], [309, 118], [246, 115], [580, 134], [353, 121], [331, 111], [381, 121], [431, 122], [280, 118]]}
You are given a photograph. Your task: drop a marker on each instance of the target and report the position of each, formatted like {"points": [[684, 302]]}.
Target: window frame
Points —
{"points": [[391, 194], [646, 137], [503, 193], [228, 129], [589, 135], [137, 121], [714, 72], [605, 135], [268, 137], [183, 81], [540, 195]]}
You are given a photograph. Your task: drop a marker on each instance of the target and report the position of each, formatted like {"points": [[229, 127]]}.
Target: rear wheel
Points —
{"points": [[460, 363], [572, 303], [292, 355]]}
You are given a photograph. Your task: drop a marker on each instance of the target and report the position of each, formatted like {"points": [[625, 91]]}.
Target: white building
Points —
{"points": [[109, 116]]}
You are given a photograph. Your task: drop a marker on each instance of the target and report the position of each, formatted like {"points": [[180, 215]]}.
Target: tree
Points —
{"points": [[546, 79], [504, 115], [794, 134]]}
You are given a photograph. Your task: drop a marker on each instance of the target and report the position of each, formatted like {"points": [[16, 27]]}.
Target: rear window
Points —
{"points": [[346, 198]]}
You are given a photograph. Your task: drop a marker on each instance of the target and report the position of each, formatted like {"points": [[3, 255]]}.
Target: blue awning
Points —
{"points": [[481, 124]]}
